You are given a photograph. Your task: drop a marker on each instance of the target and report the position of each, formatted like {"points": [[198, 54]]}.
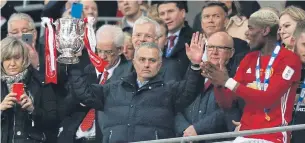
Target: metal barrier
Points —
{"points": [[228, 134], [30, 7]]}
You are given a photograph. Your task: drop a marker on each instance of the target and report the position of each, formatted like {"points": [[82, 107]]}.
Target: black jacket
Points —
{"points": [[137, 114], [74, 113], [178, 54], [299, 116], [44, 114], [206, 116]]}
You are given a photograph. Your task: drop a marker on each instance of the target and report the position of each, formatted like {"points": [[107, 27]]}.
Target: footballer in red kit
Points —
{"points": [[266, 79]]}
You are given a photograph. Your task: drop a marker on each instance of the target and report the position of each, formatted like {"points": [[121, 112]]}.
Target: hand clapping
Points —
{"points": [[217, 74]]}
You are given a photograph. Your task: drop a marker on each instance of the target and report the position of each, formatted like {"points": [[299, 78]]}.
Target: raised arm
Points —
{"points": [[91, 95]]}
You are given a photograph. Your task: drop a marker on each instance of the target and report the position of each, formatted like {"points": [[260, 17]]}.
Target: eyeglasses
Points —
{"points": [[146, 36], [220, 48], [23, 31], [105, 52]]}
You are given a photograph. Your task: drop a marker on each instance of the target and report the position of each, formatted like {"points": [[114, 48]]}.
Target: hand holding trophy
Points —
{"points": [[69, 37]]}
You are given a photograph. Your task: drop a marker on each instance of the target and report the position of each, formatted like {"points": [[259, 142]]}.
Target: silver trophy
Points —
{"points": [[69, 34]]}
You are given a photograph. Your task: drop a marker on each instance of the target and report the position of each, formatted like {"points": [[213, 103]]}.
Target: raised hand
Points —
{"points": [[33, 55], [8, 101], [195, 50]]}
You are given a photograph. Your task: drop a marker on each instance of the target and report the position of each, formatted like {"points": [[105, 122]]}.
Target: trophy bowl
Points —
{"points": [[69, 34]]}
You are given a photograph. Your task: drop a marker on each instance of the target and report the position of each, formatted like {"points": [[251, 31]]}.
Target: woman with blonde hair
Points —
{"points": [[289, 18], [27, 117]]}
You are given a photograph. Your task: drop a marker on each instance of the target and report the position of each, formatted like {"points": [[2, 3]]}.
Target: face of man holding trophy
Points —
{"points": [[110, 41], [145, 30]]}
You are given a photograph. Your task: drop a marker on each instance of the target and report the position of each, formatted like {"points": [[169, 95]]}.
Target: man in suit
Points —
{"points": [[204, 116], [84, 124], [179, 32], [148, 30]]}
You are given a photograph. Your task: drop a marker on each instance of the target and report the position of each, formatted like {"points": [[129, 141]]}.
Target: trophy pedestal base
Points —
{"points": [[68, 60], [67, 57]]}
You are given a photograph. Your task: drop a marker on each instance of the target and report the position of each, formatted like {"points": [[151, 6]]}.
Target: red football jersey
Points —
{"points": [[279, 96]]}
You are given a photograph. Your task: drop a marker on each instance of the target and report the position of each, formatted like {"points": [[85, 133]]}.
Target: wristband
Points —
{"points": [[230, 83], [195, 67]]}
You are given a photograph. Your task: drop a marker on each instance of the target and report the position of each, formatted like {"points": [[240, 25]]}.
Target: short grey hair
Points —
{"points": [[143, 20], [12, 46], [113, 32], [150, 45], [21, 16]]}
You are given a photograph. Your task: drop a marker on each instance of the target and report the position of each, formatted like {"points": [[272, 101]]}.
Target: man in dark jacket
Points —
{"points": [[179, 32], [109, 48], [204, 116], [133, 109]]}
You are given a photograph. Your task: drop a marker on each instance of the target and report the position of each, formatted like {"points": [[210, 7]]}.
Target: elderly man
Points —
{"points": [[82, 123], [266, 79], [148, 30], [204, 116], [19, 24], [298, 118], [131, 11], [132, 107]]}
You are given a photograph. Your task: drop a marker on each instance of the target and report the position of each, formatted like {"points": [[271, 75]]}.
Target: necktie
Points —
{"points": [[172, 41], [171, 45], [88, 120]]}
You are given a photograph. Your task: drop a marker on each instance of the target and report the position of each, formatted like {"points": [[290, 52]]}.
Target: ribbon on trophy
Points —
{"points": [[50, 51], [90, 44]]}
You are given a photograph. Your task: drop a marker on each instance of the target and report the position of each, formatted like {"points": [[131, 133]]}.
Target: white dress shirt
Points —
{"points": [[91, 132]]}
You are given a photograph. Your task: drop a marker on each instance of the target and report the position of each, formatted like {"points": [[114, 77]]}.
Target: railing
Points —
{"points": [[228, 134], [30, 7]]}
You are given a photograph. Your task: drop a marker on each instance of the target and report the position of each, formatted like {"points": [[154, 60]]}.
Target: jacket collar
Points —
{"points": [[132, 79]]}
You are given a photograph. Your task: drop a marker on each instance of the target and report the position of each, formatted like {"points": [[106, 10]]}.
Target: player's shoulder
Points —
{"points": [[288, 55], [251, 55]]}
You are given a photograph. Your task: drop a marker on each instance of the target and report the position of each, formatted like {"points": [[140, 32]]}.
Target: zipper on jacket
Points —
{"points": [[110, 135], [156, 134], [14, 127]]}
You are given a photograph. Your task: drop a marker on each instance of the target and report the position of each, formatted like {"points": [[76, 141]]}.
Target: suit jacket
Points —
{"points": [[75, 113], [178, 54]]}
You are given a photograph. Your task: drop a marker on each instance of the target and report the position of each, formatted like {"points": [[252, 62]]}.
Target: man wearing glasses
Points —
{"points": [[84, 124], [19, 24], [204, 116]]}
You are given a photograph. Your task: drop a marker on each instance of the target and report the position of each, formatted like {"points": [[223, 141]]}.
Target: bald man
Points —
{"points": [[204, 116]]}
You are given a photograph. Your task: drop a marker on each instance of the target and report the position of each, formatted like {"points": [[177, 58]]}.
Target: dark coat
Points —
{"points": [[206, 116], [74, 113], [178, 53], [299, 116], [44, 114], [137, 114]]}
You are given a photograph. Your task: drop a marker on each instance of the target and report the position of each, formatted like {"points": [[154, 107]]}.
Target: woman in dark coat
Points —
{"points": [[27, 119]]}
